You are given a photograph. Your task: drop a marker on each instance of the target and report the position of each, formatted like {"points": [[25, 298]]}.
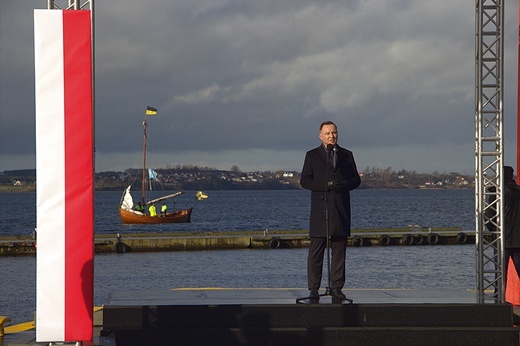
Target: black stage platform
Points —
{"points": [[272, 317]]}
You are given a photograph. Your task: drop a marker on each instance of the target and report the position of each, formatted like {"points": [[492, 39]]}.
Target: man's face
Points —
{"points": [[329, 135]]}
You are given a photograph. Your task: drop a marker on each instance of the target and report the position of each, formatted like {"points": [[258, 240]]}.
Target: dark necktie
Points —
{"points": [[331, 156]]}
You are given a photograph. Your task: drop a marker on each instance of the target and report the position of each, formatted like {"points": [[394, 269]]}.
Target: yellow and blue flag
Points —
{"points": [[151, 110]]}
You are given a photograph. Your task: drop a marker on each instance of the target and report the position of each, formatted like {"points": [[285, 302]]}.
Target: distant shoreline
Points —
{"points": [[206, 179], [5, 188], [22, 189]]}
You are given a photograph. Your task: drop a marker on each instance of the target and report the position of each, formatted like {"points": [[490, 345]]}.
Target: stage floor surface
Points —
{"points": [[246, 296], [211, 296]]}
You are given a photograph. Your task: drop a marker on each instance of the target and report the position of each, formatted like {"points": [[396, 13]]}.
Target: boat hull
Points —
{"points": [[178, 216]]}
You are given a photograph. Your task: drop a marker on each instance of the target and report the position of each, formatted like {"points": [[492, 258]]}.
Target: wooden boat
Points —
{"points": [[127, 210], [130, 215]]}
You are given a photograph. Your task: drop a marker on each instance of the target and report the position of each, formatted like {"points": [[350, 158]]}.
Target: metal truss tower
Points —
{"points": [[70, 5], [489, 149]]}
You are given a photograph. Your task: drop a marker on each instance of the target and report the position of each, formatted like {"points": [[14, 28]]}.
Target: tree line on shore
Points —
{"points": [[203, 178]]}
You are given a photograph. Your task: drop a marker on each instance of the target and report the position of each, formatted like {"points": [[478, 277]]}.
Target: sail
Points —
{"points": [[127, 202], [164, 197]]}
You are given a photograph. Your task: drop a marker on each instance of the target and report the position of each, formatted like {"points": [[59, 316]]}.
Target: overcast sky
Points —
{"points": [[247, 83]]}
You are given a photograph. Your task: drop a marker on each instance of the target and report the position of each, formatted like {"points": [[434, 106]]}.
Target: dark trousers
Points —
{"points": [[337, 262], [514, 254]]}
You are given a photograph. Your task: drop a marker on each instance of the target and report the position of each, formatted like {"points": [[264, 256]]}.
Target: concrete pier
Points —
{"points": [[179, 241]]}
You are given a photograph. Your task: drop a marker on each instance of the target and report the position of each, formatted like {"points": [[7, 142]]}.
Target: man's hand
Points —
{"points": [[335, 185]]}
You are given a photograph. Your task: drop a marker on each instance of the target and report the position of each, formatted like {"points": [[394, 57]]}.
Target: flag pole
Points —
{"points": [[143, 183]]}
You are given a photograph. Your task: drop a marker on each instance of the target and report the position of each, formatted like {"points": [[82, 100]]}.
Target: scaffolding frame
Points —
{"points": [[489, 149], [70, 5]]}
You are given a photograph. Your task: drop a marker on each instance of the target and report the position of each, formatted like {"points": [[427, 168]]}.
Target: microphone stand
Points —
{"points": [[328, 289]]}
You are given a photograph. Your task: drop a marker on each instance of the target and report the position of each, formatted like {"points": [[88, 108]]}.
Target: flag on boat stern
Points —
{"points": [[65, 175], [151, 110]]}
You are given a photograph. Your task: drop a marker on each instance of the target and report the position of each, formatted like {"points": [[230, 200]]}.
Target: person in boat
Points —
{"points": [[139, 207], [164, 208], [330, 173], [152, 210]]}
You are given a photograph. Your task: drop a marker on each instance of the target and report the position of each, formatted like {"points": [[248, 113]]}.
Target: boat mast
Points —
{"points": [[143, 184]]}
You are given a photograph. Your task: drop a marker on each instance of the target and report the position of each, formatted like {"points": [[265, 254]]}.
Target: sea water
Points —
{"points": [[413, 267], [258, 210]]}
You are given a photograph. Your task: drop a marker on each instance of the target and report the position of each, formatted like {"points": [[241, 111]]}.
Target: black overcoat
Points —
{"points": [[512, 214], [316, 172]]}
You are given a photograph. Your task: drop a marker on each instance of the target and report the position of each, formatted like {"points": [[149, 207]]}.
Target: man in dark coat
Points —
{"points": [[330, 172]]}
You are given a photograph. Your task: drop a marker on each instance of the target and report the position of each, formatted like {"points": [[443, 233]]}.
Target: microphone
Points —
{"points": [[330, 153], [330, 184]]}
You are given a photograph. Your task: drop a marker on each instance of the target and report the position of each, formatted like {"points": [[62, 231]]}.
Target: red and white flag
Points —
{"points": [[64, 173]]}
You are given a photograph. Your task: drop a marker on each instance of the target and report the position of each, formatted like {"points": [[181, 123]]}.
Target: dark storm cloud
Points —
{"points": [[248, 82]]}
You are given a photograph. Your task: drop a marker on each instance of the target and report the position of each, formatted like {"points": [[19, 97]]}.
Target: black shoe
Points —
{"points": [[337, 295], [314, 294]]}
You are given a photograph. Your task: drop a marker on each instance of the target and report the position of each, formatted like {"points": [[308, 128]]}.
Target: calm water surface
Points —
{"points": [[417, 267], [258, 210]]}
